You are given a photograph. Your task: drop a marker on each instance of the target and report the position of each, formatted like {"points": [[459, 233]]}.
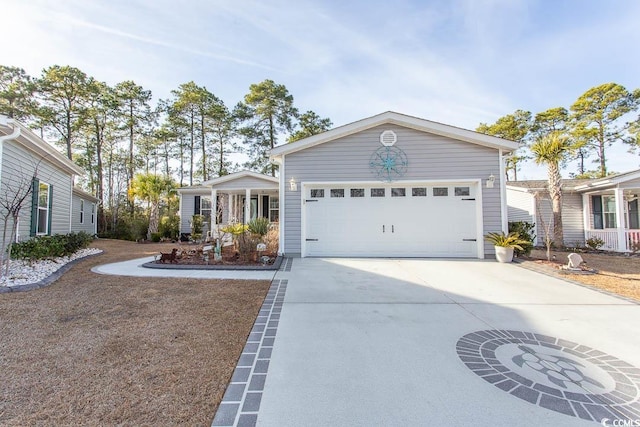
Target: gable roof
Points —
{"points": [[238, 175], [30, 141], [83, 194], [391, 117], [541, 184], [609, 181]]}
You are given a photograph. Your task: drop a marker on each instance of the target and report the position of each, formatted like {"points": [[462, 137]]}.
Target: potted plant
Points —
{"points": [[504, 244]]}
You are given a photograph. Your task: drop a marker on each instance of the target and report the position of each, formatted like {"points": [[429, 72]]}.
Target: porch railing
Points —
{"points": [[610, 239]]}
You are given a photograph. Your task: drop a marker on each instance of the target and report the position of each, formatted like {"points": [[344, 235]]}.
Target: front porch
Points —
{"points": [[612, 216]]}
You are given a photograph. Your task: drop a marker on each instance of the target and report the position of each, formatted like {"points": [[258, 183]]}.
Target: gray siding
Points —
{"points": [[87, 226], [572, 219], [18, 166], [520, 206], [431, 157], [247, 182]]}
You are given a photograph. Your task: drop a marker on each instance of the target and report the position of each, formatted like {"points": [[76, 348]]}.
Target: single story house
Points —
{"points": [[604, 208], [227, 196], [31, 166], [85, 212], [392, 185]]}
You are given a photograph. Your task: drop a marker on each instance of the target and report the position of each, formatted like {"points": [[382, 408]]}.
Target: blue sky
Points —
{"points": [[460, 62]]}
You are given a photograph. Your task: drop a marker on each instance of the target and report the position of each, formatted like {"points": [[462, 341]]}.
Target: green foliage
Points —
{"points": [[514, 127], [511, 240], [16, 93], [169, 226], [156, 237], [594, 243], [595, 119], [57, 245], [236, 229], [197, 223], [310, 124], [259, 226], [266, 112], [525, 232], [247, 244]]}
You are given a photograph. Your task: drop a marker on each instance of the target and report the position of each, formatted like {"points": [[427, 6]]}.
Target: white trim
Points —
{"points": [[282, 197], [391, 117], [586, 215], [620, 217], [247, 206], [504, 213], [477, 182], [534, 209], [479, 220], [214, 210], [611, 180]]}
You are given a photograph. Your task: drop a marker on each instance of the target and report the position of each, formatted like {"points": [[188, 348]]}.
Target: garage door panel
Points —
{"points": [[406, 226]]}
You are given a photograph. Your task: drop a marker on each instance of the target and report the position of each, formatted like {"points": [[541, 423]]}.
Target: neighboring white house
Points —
{"points": [[26, 160], [84, 212], [392, 185], [590, 208], [227, 195]]}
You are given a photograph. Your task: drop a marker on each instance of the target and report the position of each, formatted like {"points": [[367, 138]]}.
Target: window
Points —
{"points": [[461, 191], [274, 209], [93, 212], [440, 191], [419, 192], [377, 192], [205, 207], [357, 192], [81, 211], [398, 192], [609, 211], [337, 192], [317, 193], [42, 224]]}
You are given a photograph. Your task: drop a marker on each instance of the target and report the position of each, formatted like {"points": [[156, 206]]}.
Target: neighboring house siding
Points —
{"points": [[87, 226], [572, 221], [521, 206], [431, 157], [18, 166]]}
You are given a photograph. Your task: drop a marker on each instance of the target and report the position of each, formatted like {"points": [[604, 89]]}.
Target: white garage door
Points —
{"points": [[434, 220]]}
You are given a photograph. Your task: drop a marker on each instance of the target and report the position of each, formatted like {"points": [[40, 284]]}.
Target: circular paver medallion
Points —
{"points": [[556, 374]]}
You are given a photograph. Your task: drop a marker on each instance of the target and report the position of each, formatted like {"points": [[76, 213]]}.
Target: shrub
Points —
{"points": [[235, 229], [594, 243], [259, 226], [50, 246], [247, 244], [169, 226], [156, 237], [197, 222], [271, 240], [511, 240], [525, 231]]}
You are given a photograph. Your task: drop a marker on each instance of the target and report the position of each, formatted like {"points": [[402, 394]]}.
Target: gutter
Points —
{"points": [[5, 121]]}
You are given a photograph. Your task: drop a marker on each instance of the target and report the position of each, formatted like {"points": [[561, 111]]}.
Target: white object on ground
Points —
{"points": [[575, 261], [24, 272]]}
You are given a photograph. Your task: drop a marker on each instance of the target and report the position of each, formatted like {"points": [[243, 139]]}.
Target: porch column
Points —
{"points": [[214, 209], [247, 206], [622, 241], [586, 216]]}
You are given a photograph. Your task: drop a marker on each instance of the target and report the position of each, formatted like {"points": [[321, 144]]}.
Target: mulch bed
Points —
{"points": [[107, 350]]}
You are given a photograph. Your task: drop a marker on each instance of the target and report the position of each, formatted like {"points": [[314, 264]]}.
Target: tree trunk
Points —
{"points": [[154, 219], [191, 148], [555, 193], [272, 143], [204, 151]]}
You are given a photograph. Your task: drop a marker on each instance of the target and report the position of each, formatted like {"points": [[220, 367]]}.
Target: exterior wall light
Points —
{"points": [[490, 181], [293, 186]]}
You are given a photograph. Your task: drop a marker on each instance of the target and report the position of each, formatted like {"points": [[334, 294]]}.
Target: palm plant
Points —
{"points": [[511, 240], [151, 188], [551, 149]]}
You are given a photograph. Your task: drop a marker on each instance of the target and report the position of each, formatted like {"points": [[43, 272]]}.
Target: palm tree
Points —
{"points": [[551, 149], [151, 188]]}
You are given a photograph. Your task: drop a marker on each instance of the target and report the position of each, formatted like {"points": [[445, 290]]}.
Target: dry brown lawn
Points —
{"points": [[105, 350], [615, 273]]}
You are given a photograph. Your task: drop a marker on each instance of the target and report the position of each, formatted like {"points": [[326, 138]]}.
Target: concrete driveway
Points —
{"points": [[362, 342]]}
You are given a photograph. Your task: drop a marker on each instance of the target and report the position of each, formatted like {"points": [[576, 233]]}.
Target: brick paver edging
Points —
{"points": [[241, 401]]}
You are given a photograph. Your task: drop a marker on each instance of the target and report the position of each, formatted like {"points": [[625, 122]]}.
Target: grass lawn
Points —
{"points": [[103, 350], [616, 273]]}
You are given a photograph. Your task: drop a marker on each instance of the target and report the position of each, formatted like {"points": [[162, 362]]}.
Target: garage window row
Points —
{"points": [[319, 193]]}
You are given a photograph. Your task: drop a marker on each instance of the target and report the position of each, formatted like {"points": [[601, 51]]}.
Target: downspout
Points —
{"points": [[5, 121]]}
